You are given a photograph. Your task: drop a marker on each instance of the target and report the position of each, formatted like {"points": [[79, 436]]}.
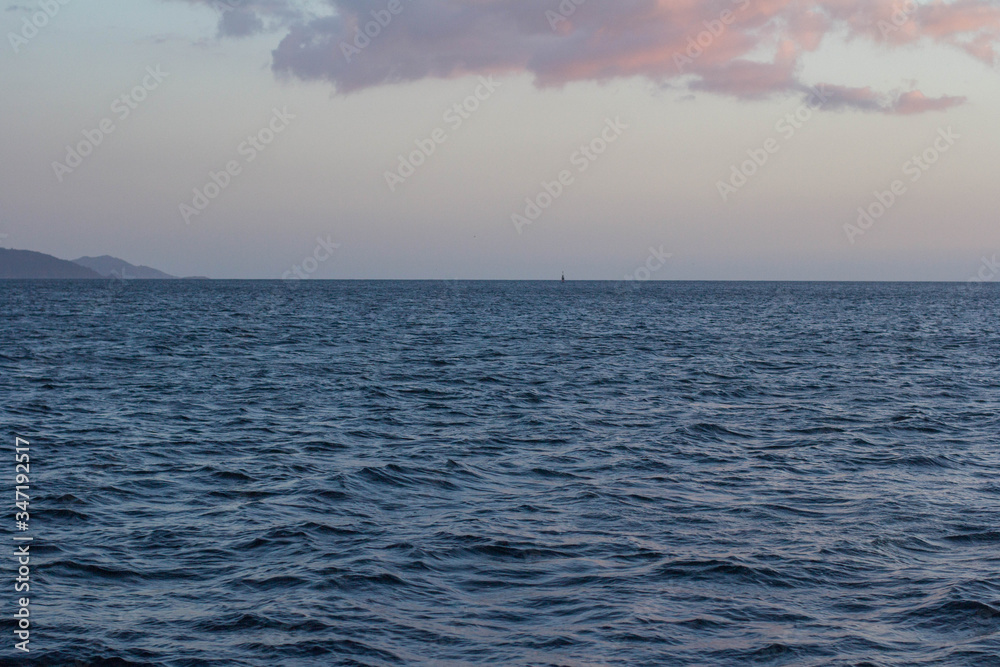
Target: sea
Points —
{"points": [[503, 473]]}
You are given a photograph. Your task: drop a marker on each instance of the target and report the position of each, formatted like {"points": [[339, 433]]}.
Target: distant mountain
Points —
{"points": [[112, 267], [27, 264]]}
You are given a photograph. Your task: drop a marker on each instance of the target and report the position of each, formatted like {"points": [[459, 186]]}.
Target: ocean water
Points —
{"points": [[442, 473]]}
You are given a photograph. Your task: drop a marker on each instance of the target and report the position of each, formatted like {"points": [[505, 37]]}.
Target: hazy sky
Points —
{"points": [[740, 137]]}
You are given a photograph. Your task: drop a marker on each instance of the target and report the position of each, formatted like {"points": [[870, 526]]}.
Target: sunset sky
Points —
{"points": [[505, 139]]}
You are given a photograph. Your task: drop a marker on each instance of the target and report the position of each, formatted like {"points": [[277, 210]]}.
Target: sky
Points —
{"points": [[506, 139]]}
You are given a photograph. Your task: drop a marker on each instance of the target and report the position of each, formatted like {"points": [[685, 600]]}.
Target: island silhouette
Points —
{"points": [[31, 265]]}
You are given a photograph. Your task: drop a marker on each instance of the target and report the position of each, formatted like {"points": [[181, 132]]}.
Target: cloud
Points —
{"points": [[240, 23], [916, 102], [748, 49], [866, 99], [242, 18]]}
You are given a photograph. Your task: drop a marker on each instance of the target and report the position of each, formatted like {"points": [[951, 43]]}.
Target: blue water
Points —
{"points": [[259, 473]]}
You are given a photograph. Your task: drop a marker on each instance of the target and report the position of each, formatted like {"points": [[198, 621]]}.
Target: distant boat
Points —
{"points": [[564, 277]]}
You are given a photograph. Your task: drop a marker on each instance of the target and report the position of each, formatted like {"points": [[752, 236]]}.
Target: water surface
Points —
{"points": [[379, 473]]}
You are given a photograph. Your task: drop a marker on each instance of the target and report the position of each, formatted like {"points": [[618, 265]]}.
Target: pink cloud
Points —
{"points": [[916, 102], [709, 45], [866, 99]]}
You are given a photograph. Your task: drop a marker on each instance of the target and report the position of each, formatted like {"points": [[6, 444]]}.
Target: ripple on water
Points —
{"points": [[379, 473]]}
